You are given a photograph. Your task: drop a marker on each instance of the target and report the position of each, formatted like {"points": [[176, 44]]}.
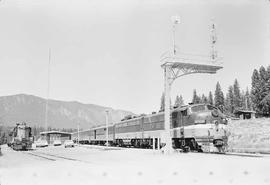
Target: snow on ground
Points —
{"points": [[251, 135], [129, 167]]}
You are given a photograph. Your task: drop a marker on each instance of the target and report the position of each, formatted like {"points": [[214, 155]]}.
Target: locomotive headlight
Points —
{"points": [[225, 121]]}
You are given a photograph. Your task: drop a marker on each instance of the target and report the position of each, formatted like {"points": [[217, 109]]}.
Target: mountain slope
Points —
{"points": [[61, 114]]}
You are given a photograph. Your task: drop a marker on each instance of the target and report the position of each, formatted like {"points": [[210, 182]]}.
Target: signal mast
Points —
{"points": [[214, 53], [175, 66]]}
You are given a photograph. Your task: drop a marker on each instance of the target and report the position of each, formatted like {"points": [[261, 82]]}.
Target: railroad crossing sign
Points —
{"points": [[174, 67]]}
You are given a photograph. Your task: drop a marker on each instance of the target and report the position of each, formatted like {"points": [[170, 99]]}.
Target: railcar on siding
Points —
{"points": [[21, 137]]}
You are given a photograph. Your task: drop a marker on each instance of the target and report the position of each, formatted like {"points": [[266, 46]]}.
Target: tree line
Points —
{"points": [[235, 98]]}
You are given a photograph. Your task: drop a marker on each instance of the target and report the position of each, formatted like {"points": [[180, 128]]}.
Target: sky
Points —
{"points": [[108, 52]]}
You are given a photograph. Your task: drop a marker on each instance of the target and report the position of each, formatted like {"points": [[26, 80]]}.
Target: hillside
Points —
{"points": [[61, 114], [251, 135]]}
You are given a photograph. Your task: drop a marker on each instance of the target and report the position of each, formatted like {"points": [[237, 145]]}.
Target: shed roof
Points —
{"points": [[54, 132], [243, 111]]}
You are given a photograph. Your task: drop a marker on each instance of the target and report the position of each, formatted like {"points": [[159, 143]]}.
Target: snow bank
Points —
{"points": [[249, 135]]}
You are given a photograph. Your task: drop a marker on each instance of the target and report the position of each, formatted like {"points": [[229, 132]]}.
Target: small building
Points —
{"points": [[51, 136], [245, 114]]}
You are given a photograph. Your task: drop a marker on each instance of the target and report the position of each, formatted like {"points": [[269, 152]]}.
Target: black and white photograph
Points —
{"points": [[134, 92]]}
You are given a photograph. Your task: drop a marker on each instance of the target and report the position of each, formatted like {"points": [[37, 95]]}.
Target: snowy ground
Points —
{"points": [[251, 135], [94, 165]]}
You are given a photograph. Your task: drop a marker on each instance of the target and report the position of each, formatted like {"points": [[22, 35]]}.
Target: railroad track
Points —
{"points": [[236, 154], [210, 153], [39, 156], [52, 157], [63, 157]]}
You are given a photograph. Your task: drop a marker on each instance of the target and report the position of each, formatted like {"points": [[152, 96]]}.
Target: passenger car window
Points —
{"points": [[174, 115], [210, 107]]}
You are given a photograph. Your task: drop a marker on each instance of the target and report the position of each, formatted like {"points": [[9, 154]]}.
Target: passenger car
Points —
{"points": [[191, 128]]}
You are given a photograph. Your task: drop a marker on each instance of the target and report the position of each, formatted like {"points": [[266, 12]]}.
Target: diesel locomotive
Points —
{"points": [[192, 126], [20, 138]]}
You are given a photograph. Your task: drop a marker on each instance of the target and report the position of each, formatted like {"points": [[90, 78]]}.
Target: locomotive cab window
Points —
{"points": [[198, 108]]}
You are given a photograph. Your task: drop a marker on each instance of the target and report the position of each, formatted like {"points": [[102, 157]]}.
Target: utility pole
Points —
{"points": [[48, 91], [107, 128], [78, 130]]}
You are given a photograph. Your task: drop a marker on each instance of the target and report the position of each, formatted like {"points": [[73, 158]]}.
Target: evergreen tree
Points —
{"points": [[237, 101], [243, 100], [268, 79], [196, 98], [255, 90], [179, 101], [230, 100], [210, 98], [162, 102], [260, 92], [248, 103], [204, 99], [219, 97], [264, 105]]}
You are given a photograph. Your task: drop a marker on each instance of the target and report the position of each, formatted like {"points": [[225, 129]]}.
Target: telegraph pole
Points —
{"points": [[48, 91], [78, 130], [107, 128]]}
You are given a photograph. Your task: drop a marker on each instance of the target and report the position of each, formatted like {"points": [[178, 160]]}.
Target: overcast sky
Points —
{"points": [[108, 52]]}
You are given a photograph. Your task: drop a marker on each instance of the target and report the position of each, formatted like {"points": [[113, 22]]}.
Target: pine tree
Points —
{"points": [[178, 101], [243, 100], [181, 100], [210, 98], [237, 95], [255, 90], [162, 102], [265, 91], [204, 99], [248, 103], [219, 97], [260, 92], [196, 98], [230, 100]]}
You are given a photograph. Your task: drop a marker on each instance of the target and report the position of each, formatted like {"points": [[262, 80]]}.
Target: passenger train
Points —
{"points": [[192, 126]]}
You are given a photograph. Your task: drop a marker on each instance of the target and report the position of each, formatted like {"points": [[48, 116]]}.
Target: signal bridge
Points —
{"points": [[175, 66]]}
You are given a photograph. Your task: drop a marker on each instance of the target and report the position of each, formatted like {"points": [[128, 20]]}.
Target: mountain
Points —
{"points": [[61, 114]]}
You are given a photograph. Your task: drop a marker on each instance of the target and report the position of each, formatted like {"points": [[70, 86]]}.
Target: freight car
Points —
{"points": [[20, 138], [192, 126]]}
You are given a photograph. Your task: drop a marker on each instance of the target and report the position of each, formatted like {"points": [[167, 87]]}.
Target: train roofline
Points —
{"points": [[181, 108]]}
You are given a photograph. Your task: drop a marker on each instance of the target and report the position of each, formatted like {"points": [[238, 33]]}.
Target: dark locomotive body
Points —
{"points": [[20, 138], [191, 126]]}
